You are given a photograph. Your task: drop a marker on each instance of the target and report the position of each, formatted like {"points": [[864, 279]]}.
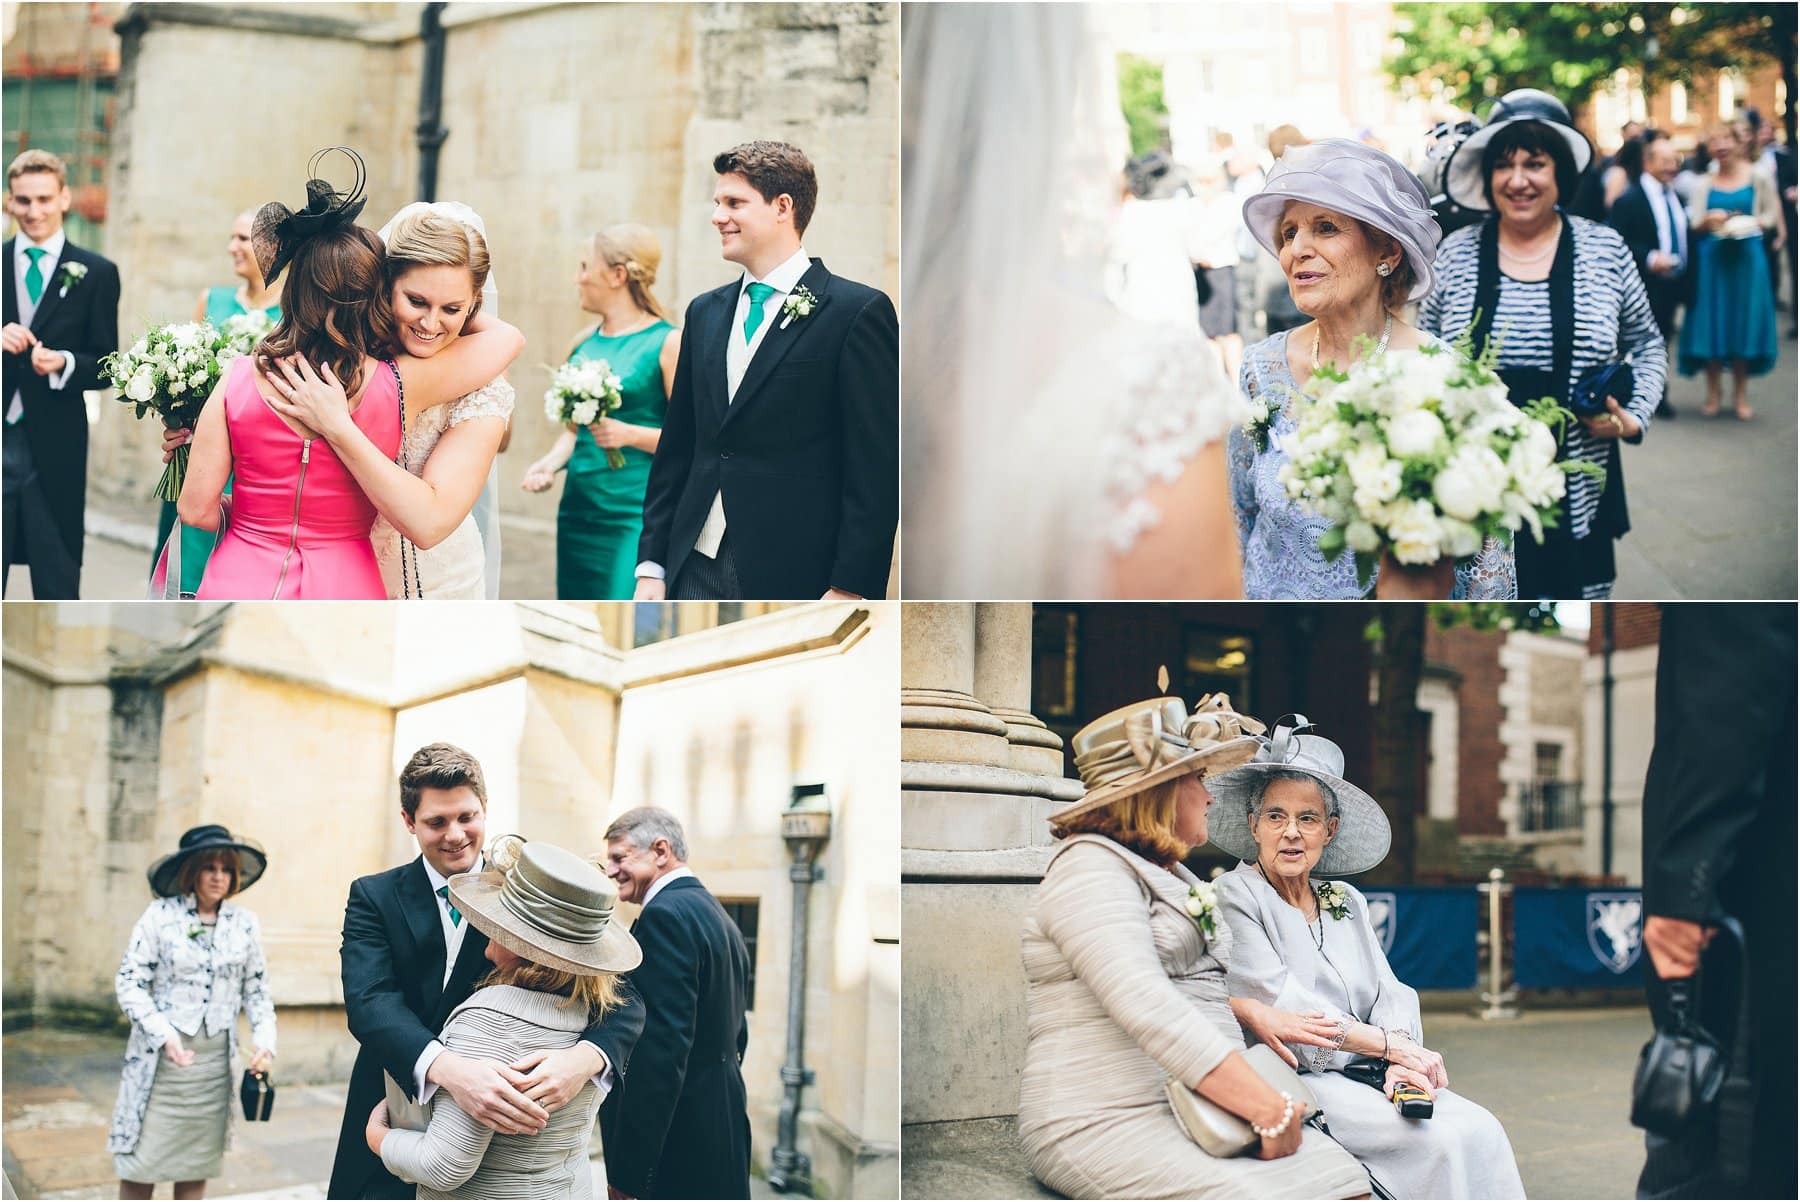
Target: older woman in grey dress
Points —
{"points": [[1127, 983], [1356, 240], [557, 953], [194, 962], [1308, 976]]}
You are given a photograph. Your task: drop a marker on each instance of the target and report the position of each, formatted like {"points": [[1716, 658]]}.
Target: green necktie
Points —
{"points": [[455, 914], [34, 275], [754, 318]]}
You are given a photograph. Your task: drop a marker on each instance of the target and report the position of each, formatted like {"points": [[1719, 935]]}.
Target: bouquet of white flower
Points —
{"points": [[584, 393], [242, 332], [170, 372], [1422, 455]]}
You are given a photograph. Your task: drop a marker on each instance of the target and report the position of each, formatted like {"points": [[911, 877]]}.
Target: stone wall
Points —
{"points": [[563, 118]]}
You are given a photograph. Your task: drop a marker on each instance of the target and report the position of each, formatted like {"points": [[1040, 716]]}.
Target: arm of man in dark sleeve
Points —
{"points": [[667, 981], [617, 1032], [100, 336], [1722, 677], [674, 456], [868, 375], [374, 1004]]}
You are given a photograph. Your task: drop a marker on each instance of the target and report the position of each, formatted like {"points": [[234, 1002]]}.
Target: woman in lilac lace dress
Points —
{"points": [[1356, 241]]}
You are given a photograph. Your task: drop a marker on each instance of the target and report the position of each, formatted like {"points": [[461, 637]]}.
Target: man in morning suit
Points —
{"points": [[1650, 217], [1718, 841], [778, 475], [61, 318], [679, 1128], [409, 959]]}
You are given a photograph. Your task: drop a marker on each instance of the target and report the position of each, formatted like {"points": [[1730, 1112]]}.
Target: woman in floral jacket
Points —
{"points": [[195, 960]]}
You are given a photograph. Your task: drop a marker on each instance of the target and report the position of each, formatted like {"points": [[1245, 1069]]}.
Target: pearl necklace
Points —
{"points": [[1534, 260], [1387, 330]]}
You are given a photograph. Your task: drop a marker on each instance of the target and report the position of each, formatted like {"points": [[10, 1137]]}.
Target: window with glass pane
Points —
{"points": [[743, 912], [652, 622], [1053, 643]]}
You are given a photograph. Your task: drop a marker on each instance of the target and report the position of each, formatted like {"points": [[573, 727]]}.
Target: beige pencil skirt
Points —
{"points": [[183, 1137]]}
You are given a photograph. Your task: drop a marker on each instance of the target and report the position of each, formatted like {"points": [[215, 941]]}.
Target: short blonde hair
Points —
{"points": [[187, 879], [598, 993], [428, 239], [1143, 821], [37, 160], [637, 249]]}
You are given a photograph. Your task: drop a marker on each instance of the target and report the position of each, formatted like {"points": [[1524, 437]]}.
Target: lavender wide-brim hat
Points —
{"points": [[1357, 181]]}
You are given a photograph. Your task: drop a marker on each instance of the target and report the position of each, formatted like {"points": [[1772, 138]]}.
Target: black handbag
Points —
{"points": [[1682, 1070], [1588, 397], [257, 1093]]}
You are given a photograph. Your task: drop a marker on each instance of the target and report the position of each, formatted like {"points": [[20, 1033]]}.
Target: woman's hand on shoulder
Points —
{"points": [[314, 399]]}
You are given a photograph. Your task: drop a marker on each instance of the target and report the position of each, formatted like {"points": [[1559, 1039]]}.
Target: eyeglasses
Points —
{"points": [[1309, 822]]}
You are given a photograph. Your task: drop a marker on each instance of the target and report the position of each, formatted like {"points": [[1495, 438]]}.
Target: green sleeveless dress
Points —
{"points": [[602, 510], [197, 545]]}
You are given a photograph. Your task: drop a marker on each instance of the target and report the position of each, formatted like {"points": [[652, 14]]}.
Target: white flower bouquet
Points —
{"points": [[583, 393], [170, 372], [1422, 456], [242, 331]]}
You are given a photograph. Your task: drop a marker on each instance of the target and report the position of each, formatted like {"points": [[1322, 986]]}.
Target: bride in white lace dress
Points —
{"points": [[427, 541], [1053, 446]]}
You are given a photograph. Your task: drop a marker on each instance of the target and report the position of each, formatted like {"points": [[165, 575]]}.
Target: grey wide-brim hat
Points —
{"points": [[1358, 181], [1363, 835], [165, 873], [550, 906], [1462, 176]]}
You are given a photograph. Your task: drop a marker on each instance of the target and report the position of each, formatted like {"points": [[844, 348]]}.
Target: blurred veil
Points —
{"points": [[1017, 373], [486, 511]]}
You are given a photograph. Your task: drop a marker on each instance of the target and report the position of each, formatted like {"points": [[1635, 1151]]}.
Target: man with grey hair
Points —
{"points": [[680, 1129]]}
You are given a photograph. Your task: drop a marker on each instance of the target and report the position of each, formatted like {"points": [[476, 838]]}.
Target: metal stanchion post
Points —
{"points": [[1499, 1003]]}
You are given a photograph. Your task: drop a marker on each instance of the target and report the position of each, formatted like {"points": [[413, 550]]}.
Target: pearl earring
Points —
{"points": [[1383, 269]]}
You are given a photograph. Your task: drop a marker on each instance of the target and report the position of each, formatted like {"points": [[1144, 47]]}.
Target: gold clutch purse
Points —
{"points": [[1221, 1133]]}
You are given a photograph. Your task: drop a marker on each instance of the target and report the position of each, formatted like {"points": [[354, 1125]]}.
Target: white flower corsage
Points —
{"points": [[1262, 419], [70, 275], [1334, 899], [1203, 906], [194, 931], [799, 303]]}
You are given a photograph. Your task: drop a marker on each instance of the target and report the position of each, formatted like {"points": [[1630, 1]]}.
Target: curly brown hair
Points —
{"points": [[774, 168], [334, 306], [1144, 822]]}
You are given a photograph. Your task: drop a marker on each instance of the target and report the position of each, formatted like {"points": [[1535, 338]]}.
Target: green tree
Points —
{"points": [[1141, 97], [1480, 51]]}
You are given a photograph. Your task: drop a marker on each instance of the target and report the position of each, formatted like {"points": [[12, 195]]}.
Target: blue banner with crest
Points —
{"points": [[1578, 938], [1428, 933]]}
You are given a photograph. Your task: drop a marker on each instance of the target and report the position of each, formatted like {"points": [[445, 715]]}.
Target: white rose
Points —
{"points": [[586, 413], [1414, 531], [1361, 536], [1415, 434], [197, 380], [1471, 483], [142, 385]]}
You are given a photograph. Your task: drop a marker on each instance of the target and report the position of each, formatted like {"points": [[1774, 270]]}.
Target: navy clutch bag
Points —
{"points": [[1588, 397]]}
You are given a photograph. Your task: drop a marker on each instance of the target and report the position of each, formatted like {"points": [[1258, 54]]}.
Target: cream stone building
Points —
{"points": [[128, 723], [562, 118]]}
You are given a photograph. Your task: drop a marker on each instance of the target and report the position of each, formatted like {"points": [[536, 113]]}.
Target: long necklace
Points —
{"points": [[1387, 330]]}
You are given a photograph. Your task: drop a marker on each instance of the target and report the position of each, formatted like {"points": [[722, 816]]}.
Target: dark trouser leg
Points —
{"points": [[31, 535], [704, 578]]}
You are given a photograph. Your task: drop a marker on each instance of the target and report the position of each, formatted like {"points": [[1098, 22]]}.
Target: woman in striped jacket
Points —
{"points": [[557, 954], [1563, 298]]}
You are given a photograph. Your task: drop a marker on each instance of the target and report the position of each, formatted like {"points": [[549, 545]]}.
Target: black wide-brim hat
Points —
{"points": [[251, 858], [1462, 176]]}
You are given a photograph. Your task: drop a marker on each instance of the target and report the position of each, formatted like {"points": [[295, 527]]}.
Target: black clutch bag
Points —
{"points": [[258, 1096], [1588, 397], [1682, 1069]]}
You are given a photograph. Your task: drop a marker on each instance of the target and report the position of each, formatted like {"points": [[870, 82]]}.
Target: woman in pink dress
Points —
{"points": [[299, 524]]}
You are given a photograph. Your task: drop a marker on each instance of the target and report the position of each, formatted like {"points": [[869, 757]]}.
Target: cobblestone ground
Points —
{"points": [[57, 1104], [1558, 1080]]}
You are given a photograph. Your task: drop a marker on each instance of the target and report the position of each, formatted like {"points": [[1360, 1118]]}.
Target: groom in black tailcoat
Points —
{"points": [[777, 476], [409, 959], [61, 317]]}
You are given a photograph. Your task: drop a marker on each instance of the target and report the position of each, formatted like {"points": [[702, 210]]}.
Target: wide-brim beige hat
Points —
{"points": [[1141, 745], [552, 907]]}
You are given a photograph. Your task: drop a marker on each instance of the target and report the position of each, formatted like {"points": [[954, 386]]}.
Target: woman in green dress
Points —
{"points": [[602, 509], [217, 305]]}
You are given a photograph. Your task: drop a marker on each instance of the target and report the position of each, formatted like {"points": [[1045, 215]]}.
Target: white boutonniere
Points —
{"points": [[70, 275], [799, 303], [1262, 417], [1203, 907], [1334, 899], [194, 931]]}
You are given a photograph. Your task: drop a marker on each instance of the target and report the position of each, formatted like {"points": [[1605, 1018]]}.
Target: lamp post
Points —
{"points": [[805, 826]]}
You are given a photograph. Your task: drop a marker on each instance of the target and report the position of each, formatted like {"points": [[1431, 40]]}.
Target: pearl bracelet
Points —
{"points": [[1287, 1116]]}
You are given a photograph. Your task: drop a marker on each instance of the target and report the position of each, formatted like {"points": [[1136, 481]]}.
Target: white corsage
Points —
{"points": [[1262, 418], [799, 303], [1203, 907], [1334, 899], [70, 275]]}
